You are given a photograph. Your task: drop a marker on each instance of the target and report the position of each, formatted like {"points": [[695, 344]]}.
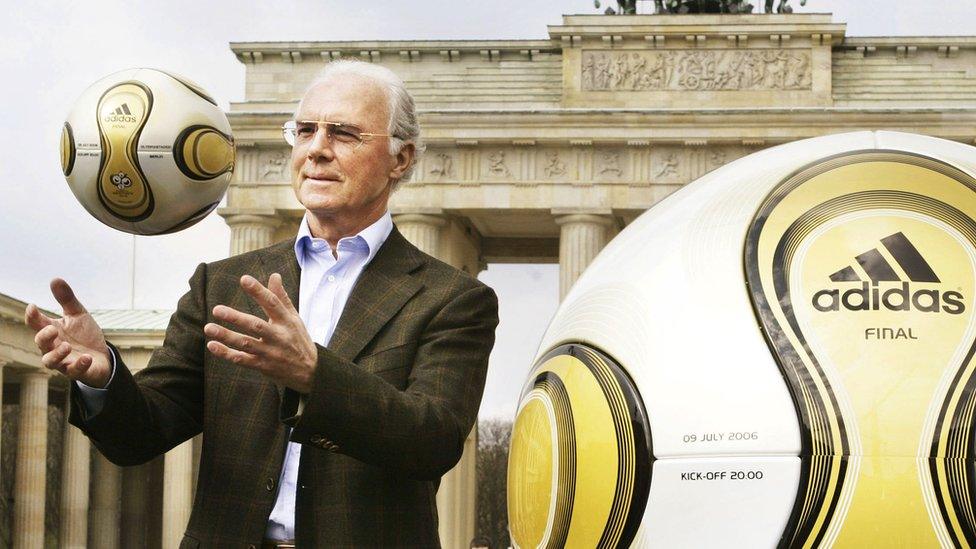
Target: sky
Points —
{"points": [[51, 51]]}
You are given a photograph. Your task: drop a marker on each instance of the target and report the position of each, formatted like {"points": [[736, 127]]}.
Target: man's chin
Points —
{"points": [[321, 207]]}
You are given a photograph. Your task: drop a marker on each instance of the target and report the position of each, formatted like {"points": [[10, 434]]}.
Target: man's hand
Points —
{"points": [[73, 344], [280, 347]]}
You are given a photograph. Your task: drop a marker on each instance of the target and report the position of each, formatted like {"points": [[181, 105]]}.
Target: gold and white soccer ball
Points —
{"points": [[779, 354], [147, 152]]}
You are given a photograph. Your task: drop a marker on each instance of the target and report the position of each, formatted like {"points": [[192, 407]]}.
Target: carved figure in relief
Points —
{"points": [[555, 166], [716, 158], [602, 71], [587, 72], [639, 63], [775, 72], [443, 165], [611, 163], [496, 164], [797, 70], [617, 71], [670, 166], [274, 166]]}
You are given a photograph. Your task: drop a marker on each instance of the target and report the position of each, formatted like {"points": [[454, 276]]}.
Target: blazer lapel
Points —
{"points": [[384, 286]]}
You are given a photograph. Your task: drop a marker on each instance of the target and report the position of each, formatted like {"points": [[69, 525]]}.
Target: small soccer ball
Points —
{"points": [[147, 152]]}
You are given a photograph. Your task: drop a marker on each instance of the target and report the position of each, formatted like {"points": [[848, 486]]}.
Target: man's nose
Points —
{"points": [[321, 145]]}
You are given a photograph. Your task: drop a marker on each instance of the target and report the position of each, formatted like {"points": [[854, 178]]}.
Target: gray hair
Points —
{"points": [[403, 126]]}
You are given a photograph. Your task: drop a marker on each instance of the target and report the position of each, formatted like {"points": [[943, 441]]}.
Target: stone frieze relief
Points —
{"points": [[696, 70], [632, 165]]}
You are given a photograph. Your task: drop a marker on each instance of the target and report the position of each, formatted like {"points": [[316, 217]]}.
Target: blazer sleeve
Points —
{"points": [[146, 414], [419, 431]]}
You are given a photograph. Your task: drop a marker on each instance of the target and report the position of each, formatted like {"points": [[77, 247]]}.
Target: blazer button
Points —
{"points": [[316, 439], [270, 484]]}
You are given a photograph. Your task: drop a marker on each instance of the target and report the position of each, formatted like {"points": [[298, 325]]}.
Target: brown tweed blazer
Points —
{"points": [[395, 395]]}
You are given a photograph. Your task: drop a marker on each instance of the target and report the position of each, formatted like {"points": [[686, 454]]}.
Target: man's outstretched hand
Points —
{"points": [[280, 347], [73, 344]]}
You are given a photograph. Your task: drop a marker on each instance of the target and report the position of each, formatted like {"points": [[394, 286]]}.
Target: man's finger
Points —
{"points": [[237, 357], [263, 296], [46, 339], [53, 358], [233, 339], [66, 297], [79, 366], [276, 286], [251, 324], [34, 318]]}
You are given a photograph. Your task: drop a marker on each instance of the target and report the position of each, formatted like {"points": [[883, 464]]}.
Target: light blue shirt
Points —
{"points": [[326, 282], [325, 286]]}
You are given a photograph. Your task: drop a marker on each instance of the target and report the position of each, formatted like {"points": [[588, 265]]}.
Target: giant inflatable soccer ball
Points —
{"points": [[779, 354], [147, 152]]}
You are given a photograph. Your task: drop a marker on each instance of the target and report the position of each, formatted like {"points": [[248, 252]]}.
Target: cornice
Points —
{"points": [[658, 30], [376, 50]]}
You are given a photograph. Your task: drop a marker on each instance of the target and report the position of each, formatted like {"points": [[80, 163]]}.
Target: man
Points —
{"points": [[332, 399]]}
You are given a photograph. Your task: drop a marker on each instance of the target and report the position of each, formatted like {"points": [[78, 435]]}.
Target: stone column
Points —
{"points": [[135, 498], [106, 503], [177, 493], [457, 497], [250, 231], [75, 471], [422, 230], [29, 476], [3, 362], [581, 237]]}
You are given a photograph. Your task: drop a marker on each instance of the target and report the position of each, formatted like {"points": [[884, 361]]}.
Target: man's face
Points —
{"points": [[337, 179]]}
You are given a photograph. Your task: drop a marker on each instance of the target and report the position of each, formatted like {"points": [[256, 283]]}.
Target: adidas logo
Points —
{"points": [[120, 114], [877, 268]]}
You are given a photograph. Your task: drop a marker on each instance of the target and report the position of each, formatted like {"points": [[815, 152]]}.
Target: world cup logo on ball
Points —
{"points": [[147, 152]]}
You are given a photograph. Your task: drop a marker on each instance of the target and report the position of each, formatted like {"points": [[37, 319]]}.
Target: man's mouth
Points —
{"points": [[322, 177]]}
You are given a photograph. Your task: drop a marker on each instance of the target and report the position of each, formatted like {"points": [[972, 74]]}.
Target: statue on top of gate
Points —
{"points": [[629, 7]]}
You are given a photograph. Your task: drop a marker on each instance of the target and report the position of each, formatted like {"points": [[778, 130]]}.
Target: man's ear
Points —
{"points": [[404, 159]]}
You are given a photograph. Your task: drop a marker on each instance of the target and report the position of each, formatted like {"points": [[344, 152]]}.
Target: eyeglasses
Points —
{"points": [[301, 132]]}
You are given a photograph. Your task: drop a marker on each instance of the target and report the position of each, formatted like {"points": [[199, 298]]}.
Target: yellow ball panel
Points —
{"points": [[596, 450], [530, 473]]}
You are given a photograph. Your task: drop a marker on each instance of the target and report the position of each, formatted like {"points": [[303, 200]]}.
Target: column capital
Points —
{"points": [[250, 216], [578, 215], [36, 373], [433, 219], [250, 228]]}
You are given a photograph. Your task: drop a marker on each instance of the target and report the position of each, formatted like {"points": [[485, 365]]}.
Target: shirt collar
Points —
{"points": [[372, 237]]}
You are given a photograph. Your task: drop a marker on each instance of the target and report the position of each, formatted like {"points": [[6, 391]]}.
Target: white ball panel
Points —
{"points": [[719, 502]]}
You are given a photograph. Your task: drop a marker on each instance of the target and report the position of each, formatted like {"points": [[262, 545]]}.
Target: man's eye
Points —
{"points": [[345, 134], [305, 130]]}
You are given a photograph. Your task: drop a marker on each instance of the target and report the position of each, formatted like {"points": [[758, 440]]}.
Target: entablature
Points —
{"points": [[479, 128]]}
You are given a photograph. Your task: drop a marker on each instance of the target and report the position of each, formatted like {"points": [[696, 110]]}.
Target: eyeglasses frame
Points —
{"points": [[291, 127]]}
